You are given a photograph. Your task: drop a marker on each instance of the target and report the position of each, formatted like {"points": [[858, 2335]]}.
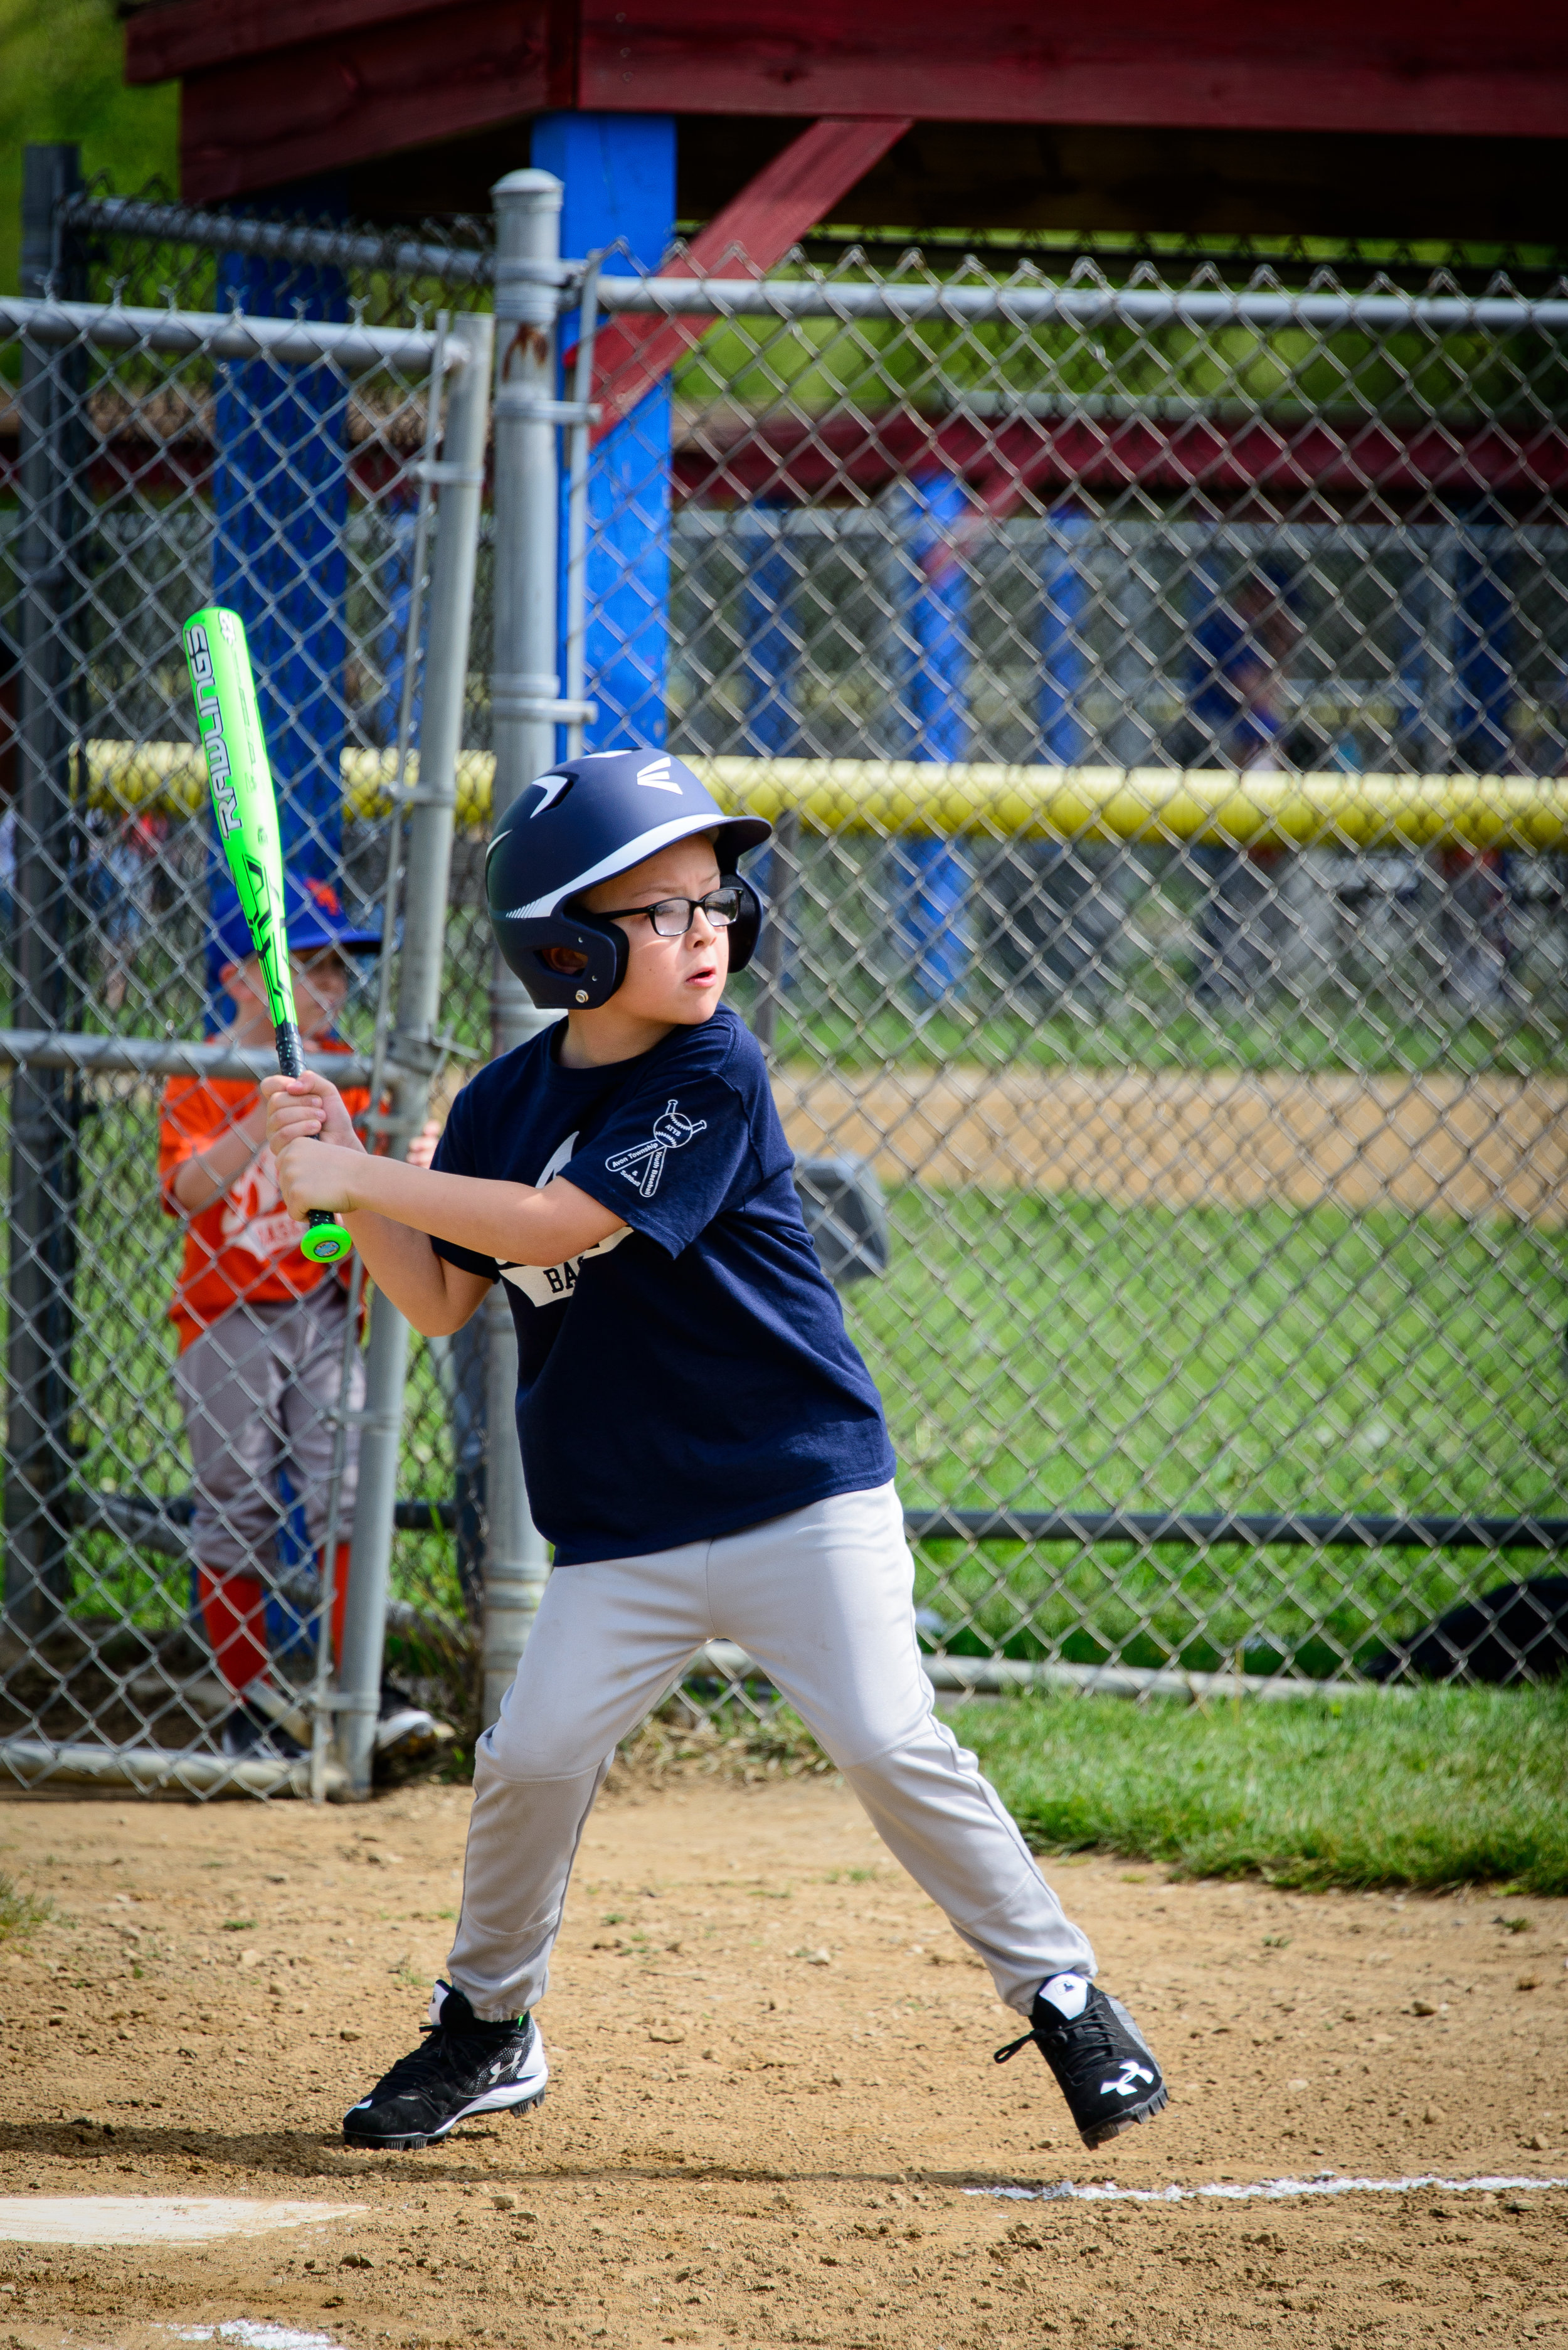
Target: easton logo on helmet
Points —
{"points": [[656, 777]]}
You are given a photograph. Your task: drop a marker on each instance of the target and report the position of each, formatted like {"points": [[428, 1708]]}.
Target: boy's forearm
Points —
{"points": [[445, 1207], [513, 1222], [403, 1263]]}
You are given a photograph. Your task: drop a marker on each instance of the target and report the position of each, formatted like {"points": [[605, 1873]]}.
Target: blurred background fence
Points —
{"points": [[1120, 650], [1157, 674], [164, 451]]}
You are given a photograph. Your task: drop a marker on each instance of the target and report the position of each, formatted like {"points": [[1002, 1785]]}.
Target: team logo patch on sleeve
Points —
{"points": [[643, 1166]]}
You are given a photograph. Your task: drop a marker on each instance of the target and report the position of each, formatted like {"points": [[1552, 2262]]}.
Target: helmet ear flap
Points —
{"points": [[528, 947], [747, 923]]}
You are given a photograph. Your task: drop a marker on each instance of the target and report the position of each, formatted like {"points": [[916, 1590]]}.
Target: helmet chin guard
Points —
{"points": [[586, 821]]}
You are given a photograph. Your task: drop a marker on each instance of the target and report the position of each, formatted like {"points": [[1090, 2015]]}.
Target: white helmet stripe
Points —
{"points": [[633, 853]]}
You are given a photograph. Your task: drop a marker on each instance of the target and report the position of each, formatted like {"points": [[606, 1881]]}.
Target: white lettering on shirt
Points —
{"points": [[254, 1220], [549, 1284]]}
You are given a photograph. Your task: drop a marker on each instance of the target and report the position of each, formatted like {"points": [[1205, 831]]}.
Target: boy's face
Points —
{"points": [[321, 981], [676, 980]]}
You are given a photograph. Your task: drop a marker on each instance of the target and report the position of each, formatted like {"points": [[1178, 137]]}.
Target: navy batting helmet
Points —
{"points": [[587, 819]]}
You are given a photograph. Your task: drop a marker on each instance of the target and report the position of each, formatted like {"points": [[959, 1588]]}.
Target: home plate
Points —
{"points": [[152, 2218]]}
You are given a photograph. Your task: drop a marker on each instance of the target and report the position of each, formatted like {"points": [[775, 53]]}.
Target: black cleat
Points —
{"points": [[464, 2068], [409, 1739], [248, 1735], [1105, 2067]]}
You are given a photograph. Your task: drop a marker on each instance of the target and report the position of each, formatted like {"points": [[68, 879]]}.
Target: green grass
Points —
{"points": [[20, 1913], [1038, 1350], [1424, 1787], [1045, 1350], [1156, 1027]]}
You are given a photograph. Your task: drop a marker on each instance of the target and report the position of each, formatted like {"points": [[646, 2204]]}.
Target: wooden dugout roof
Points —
{"points": [[997, 94]]}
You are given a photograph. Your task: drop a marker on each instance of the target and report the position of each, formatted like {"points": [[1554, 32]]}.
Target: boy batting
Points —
{"points": [[704, 1445]]}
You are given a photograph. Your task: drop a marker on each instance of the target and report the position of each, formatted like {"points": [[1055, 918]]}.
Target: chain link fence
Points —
{"points": [[167, 443], [1155, 672], [1121, 651]]}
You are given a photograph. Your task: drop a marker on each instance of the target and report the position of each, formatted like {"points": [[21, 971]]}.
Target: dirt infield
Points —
{"points": [[1439, 1145], [773, 2097]]}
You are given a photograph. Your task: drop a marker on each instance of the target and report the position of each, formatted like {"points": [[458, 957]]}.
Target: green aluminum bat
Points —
{"points": [[229, 716]]}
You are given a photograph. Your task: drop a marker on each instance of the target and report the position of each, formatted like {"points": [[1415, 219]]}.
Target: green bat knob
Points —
{"points": [[323, 1240]]}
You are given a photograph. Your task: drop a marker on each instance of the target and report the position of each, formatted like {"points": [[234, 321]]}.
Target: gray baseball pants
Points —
{"points": [[823, 1601], [259, 1388]]}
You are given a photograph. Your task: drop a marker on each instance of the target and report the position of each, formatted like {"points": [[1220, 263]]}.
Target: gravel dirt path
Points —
{"points": [[1489, 1145], [772, 2094]]}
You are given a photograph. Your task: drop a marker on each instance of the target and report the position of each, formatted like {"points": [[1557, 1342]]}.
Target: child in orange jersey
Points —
{"points": [[261, 1333]]}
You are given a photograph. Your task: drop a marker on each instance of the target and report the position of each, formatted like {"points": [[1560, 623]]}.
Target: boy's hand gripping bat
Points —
{"points": [[230, 719]]}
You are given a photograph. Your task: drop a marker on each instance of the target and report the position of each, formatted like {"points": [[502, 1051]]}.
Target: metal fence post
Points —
{"points": [[525, 709], [516, 1566], [414, 1050], [44, 1104]]}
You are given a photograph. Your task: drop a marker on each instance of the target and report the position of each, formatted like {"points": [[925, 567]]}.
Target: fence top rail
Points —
{"points": [[940, 797], [1158, 804], [208, 334], [278, 240], [1026, 305], [155, 1056]]}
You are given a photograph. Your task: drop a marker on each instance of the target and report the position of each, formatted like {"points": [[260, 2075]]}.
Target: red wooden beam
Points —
{"points": [[1027, 464], [367, 78], [372, 90], [1312, 469], [189, 36], [772, 213], [1413, 65]]}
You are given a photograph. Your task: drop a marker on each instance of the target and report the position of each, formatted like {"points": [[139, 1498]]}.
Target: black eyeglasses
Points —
{"points": [[673, 916]]}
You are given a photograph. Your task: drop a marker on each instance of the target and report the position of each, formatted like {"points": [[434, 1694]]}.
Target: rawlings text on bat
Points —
{"points": [[229, 716]]}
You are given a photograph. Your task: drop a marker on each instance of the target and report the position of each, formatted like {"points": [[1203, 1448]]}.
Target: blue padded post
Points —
{"points": [[1055, 916], [1483, 671], [1063, 664], [398, 590], [769, 687], [618, 173], [931, 875], [770, 651], [1413, 724]]}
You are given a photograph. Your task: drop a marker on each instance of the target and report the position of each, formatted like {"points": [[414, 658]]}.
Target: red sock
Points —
{"points": [[234, 1609], [339, 1600]]}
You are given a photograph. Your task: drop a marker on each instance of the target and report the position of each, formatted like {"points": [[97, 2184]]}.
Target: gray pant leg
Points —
{"points": [[310, 1337], [945, 1822], [824, 1601], [607, 1642], [229, 1382]]}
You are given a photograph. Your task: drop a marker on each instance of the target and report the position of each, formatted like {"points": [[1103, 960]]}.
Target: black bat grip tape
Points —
{"points": [[291, 1061], [285, 1040]]}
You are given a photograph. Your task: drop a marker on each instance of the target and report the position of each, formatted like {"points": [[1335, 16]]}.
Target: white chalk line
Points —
{"points": [[252, 2335], [1267, 2190]]}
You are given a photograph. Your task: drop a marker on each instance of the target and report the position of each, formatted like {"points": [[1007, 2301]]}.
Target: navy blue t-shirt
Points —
{"points": [[691, 1374]]}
